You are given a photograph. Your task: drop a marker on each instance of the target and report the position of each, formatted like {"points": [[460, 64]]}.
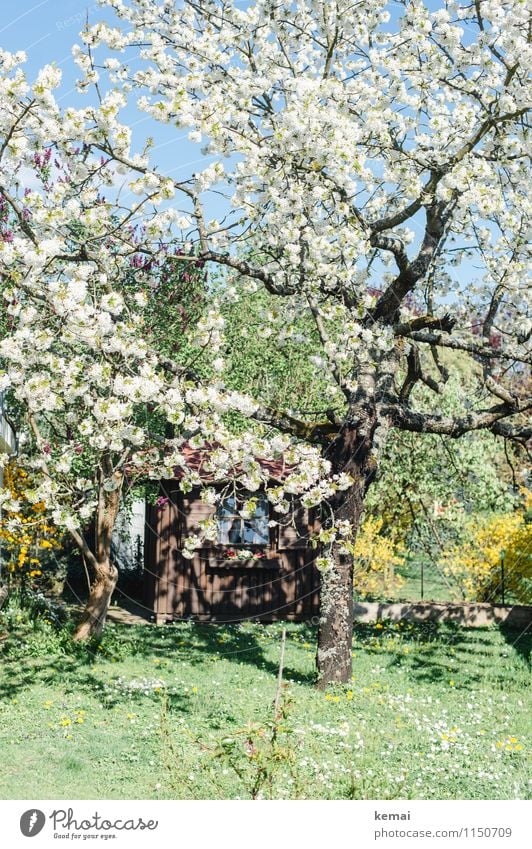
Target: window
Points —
{"points": [[234, 530]]}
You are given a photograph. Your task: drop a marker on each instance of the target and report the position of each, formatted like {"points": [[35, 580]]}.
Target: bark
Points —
{"points": [[335, 633], [95, 613], [105, 573], [350, 452]]}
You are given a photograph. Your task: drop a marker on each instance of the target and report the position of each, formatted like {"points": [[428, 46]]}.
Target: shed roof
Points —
{"points": [[197, 457]]}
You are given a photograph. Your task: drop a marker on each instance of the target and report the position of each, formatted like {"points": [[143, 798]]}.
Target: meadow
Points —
{"points": [[187, 711]]}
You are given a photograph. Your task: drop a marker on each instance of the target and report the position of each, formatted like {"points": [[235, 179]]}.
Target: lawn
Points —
{"points": [[432, 588], [186, 711]]}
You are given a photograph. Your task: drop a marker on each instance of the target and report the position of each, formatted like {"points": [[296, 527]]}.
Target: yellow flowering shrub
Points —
{"points": [[376, 559], [26, 535], [475, 562]]}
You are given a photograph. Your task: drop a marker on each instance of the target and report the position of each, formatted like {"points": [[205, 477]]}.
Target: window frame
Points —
{"points": [[264, 546]]}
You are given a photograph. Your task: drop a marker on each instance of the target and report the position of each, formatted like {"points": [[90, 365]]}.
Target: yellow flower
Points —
{"points": [[451, 683], [476, 564], [65, 722], [378, 625], [349, 695]]}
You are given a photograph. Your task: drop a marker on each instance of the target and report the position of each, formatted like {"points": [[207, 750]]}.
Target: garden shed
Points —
{"points": [[251, 571]]}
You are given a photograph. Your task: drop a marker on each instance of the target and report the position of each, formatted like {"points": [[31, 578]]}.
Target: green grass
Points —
{"points": [[434, 586], [186, 711]]}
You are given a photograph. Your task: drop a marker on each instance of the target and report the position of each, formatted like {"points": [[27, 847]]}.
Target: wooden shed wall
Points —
{"points": [[285, 585]]}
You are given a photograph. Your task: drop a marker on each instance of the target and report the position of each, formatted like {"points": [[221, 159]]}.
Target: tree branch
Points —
{"points": [[317, 433], [425, 322], [404, 418], [15, 206], [437, 216], [437, 339], [427, 192]]}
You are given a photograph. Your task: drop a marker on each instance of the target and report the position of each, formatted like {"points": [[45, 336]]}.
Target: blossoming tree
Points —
{"points": [[375, 166], [83, 277], [375, 162]]}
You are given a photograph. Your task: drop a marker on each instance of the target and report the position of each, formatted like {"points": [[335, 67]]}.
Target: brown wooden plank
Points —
{"points": [[203, 580], [302, 586], [294, 529], [256, 579], [180, 574], [148, 579], [170, 542], [195, 511], [209, 582]]}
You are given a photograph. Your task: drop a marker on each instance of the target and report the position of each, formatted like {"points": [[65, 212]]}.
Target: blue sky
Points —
{"points": [[46, 31]]}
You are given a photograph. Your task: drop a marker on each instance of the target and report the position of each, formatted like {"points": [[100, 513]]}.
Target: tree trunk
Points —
{"points": [[105, 572], [335, 635], [351, 453], [101, 591]]}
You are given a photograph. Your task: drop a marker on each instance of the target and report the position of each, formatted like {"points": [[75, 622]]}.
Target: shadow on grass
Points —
{"points": [[520, 640], [195, 643], [436, 652], [440, 652], [77, 666], [19, 673]]}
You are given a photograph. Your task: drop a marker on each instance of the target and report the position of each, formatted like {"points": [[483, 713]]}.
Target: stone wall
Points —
{"points": [[470, 615]]}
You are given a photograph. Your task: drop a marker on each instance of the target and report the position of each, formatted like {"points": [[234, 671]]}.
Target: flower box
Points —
{"points": [[230, 563]]}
